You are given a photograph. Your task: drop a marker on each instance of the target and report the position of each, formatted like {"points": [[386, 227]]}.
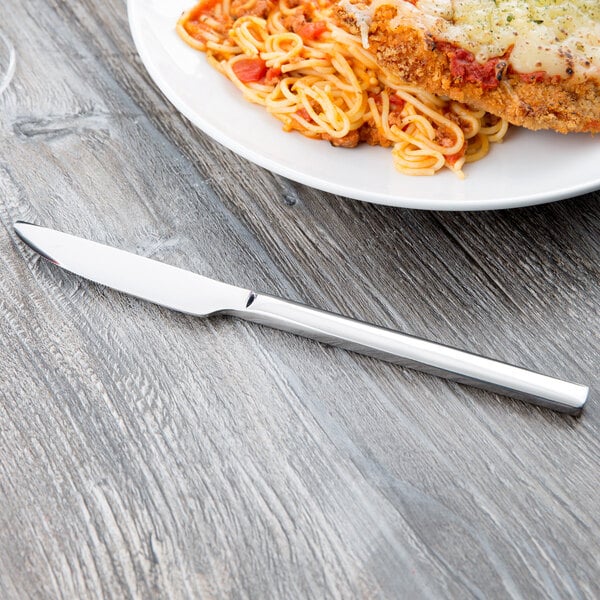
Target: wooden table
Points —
{"points": [[148, 454]]}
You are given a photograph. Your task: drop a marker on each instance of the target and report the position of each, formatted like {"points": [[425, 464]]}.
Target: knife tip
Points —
{"points": [[21, 229]]}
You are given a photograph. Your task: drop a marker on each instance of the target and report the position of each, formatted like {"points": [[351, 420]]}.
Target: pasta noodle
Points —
{"points": [[316, 78]]}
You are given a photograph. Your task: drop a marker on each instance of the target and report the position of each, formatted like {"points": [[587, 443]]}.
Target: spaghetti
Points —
{"points": [[316, 78]]}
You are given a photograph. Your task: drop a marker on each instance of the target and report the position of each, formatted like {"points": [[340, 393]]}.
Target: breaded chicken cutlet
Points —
{"points": [[535, 63]]}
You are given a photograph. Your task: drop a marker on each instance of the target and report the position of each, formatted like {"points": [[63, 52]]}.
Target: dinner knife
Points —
{"points": [[195, 294]]}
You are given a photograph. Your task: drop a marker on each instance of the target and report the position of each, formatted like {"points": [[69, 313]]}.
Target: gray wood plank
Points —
{"points": [[147, 454]]}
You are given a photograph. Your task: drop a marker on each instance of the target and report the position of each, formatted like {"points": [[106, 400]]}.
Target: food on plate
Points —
{"points": [[317, 78], [535, 63]]}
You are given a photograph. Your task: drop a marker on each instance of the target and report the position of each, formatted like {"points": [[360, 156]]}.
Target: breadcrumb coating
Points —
{"points": [[532, 100]]}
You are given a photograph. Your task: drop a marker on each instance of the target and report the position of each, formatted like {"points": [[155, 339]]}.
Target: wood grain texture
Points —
{"points": [[146, 454]]}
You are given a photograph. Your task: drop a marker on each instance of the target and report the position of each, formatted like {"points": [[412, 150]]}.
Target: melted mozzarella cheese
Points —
{"points": [[560, 37]]}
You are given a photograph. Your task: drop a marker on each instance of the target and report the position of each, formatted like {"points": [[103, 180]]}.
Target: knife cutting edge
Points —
{"points": [[197, 295]]}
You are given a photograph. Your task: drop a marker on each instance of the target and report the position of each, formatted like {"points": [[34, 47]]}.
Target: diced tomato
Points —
{"points": [[452, 159], [249, 70], [396, 103], [534, 77], [311, 31], [272, 74], [304, 114], [377, 99], [464, 66]]}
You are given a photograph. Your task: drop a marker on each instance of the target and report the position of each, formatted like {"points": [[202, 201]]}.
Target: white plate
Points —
{"points": [[528, 168]]}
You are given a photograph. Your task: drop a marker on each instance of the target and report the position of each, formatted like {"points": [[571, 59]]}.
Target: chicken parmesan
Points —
{"points": [[535, 63]]}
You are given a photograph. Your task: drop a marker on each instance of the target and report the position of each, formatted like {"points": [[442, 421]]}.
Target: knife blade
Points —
{"points": [[195, 294]]}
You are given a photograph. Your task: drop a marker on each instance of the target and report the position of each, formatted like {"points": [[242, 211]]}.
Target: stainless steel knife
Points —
{"points": [[197, 295]]}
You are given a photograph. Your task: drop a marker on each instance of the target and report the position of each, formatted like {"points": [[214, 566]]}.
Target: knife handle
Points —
{"points": [[415, 353]]}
